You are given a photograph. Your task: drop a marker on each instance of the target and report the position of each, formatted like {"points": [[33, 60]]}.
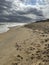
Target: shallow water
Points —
{"points": [[4, 27], [21, 11]]}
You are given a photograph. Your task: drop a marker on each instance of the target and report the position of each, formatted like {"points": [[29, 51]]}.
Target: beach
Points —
{"points": [[25, 45], [5, 26]]}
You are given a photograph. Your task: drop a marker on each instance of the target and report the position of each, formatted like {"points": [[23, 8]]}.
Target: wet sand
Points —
{"points": [[25, 45]]}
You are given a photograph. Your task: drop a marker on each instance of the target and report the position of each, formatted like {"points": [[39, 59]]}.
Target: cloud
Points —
{"points": [[19, 11]]}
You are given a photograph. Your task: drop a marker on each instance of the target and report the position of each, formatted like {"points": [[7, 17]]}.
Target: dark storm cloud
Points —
{"points": [[14, 18], [9, 15], [3, 4], [31, 11]]}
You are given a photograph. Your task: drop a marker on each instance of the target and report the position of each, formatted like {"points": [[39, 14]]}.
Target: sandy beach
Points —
{"points": [[25, 45]]}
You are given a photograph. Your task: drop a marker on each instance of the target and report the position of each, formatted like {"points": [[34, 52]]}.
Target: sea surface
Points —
{"points": [[4, 27], [20, 12]]}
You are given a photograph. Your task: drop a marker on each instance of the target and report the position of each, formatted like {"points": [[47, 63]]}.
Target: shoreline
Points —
{"points": [[27, 44], [10, 25]]}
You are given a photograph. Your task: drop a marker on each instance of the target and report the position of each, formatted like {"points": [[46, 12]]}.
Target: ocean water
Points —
{"points": [[21, 12], [4, 27]]}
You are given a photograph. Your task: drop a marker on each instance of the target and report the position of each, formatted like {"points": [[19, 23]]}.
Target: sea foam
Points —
{"points": [[4, 27]]}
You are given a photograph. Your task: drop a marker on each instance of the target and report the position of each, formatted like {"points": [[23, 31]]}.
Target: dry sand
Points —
{"points": [[25, 45]]}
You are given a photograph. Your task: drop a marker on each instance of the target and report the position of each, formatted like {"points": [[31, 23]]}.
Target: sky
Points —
{"points": [[23, 10], [33, 2]]}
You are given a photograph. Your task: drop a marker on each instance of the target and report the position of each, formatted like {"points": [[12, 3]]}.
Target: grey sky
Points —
{"points": [[23, 10]]}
